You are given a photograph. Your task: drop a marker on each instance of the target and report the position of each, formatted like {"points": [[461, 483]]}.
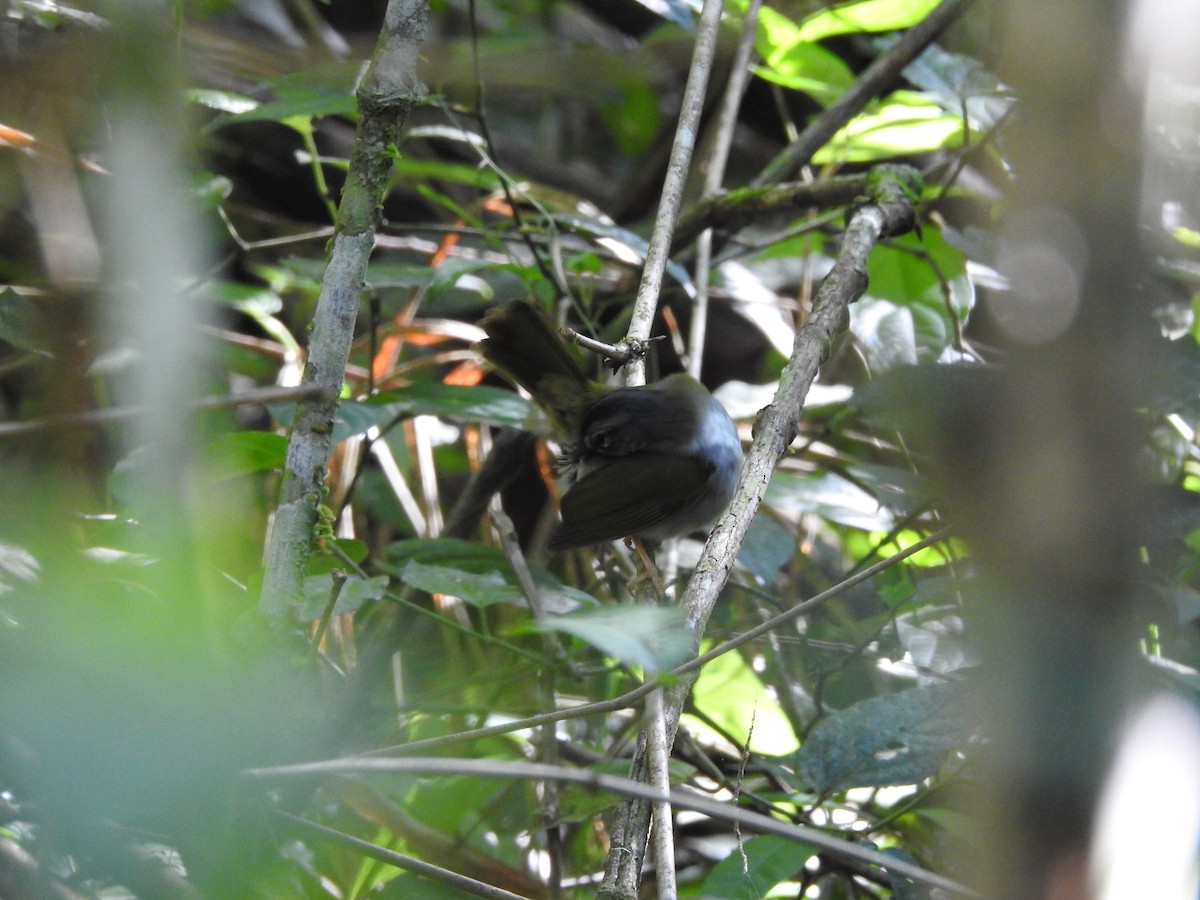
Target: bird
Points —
{"points": [[652, 462]]}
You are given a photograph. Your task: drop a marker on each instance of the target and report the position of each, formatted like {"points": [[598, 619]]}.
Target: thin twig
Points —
{"points": [[671, 200], [835, 846], [97, 417], [714, 177], [399, 860]]}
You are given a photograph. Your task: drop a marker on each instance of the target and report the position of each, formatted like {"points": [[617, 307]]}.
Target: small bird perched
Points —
{"points": [[653, 462]]}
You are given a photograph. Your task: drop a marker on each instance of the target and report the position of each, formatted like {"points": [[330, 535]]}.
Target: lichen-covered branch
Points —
{"points": [[386, 94]]}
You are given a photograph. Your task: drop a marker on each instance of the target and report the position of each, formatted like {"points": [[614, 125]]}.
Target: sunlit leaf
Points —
{"points": [[797, 63], [865, 15], [732, 695], [903, 124]]}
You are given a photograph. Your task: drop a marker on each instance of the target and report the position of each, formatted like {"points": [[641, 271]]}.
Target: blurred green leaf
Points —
{"points": [[633, 119], [768, 546], [355, 591], [656, 638], [900, 738], [241, 452], [20, 322]]}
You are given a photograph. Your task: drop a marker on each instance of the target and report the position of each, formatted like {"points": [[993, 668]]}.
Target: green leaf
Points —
{"points": [[830, 496], [903, 124], [480, 590], [258, 303], [900, 738], [20, 322], [771, 859], [732, 695], [768, 546], [355, 591], [919, 296], [311, 94], [653, 637], [865, 15], [477, 574], [241, 452], [794, 62], [408, 170], [481, 403]]}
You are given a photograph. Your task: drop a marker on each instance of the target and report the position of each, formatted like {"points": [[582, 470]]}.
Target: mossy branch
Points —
{"points": [[388, 91]]}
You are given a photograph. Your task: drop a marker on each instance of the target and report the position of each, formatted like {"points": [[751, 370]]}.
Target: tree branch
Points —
{"points": [[893, 190], [672, 193], [733, 209], [387, 92]]}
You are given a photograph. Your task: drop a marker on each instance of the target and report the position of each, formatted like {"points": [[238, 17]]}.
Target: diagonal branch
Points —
{"points": [[388, 91], [893, 190]]}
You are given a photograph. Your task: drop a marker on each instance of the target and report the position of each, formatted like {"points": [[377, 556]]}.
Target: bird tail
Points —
{"points": [[523, 344]]}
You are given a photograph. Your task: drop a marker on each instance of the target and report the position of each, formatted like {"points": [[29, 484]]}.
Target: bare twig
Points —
{"points": [[672, 193], [399, 860], [493, 768], [714, 177], [97, 417], [730, 210]]}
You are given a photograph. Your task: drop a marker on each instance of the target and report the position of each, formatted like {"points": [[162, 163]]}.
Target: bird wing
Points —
{"points": [[626, 496], [630, 420]]}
